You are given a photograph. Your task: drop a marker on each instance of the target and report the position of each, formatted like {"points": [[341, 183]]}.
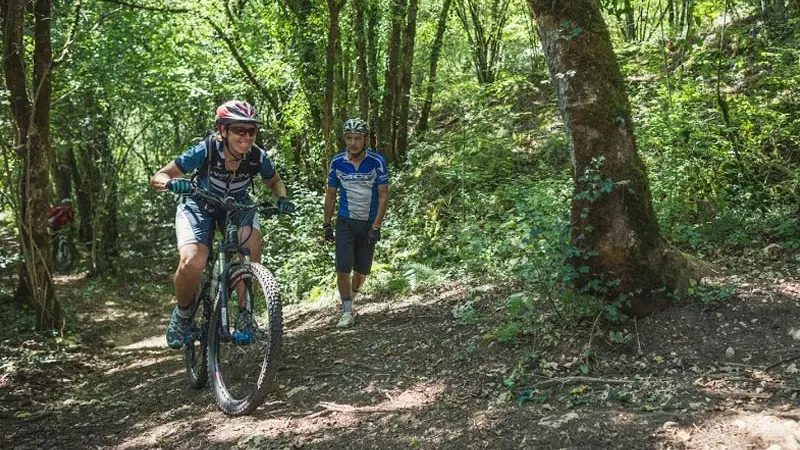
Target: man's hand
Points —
{"points": [[285, 206], [329, 237], [374, 236], [179, 185]]}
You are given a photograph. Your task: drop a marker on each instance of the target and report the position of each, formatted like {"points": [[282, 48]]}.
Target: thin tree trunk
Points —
{"points": [[630, 22], [362, 84], [340, 98], [689, 36], [84, 198], [671, 10], [330, 86], [373, 19], [62, 176], [401, 146], [436, 50], [32, 118], [387, 130], [484, 34], [305, 44], [619, 254]]}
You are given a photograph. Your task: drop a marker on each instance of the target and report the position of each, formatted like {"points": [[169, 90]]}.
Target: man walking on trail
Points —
{"points": [[225, 163], [361, 178]]}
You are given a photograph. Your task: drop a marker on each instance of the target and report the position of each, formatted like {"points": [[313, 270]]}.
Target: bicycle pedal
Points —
{"points": [[241, 338]]}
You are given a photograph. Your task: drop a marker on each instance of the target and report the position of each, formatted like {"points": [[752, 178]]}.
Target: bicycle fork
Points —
{"points": [[219, 283]]}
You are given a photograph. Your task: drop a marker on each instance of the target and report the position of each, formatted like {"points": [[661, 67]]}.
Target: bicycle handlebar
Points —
{"points": [[266, 207]]}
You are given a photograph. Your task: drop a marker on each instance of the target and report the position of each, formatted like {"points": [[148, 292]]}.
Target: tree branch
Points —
{"points": [[149, 8], [584, 380], [221, 34], [70, 35]]}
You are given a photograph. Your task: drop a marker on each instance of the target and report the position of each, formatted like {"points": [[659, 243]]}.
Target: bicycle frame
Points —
{"points": [[224, 260]]}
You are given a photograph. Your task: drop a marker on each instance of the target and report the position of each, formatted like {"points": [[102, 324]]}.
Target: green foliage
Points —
{"points": [[421, 277], [716, 183], [709, 294]]}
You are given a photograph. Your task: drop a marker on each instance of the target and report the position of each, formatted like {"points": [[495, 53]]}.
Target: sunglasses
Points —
{"points": [[241, 131]]}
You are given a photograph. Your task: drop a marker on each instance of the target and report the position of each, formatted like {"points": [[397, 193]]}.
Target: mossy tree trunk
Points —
{"points": [[32, 119], [387, 133], [409, 38], [618, 254]]}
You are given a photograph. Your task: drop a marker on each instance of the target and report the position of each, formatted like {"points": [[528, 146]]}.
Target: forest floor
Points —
{"points": [[411, 374]]}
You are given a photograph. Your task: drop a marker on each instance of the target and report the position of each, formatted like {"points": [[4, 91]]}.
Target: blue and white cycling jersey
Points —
{"points": [[358, 188], [223, 182]]}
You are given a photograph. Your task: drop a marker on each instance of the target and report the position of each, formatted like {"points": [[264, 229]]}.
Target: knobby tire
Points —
{"points": [[194, 353], [262, 280]]}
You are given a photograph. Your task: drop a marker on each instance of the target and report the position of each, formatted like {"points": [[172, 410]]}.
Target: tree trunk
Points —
{"points": [[630, 22], [104, 245], [484, 33], [436, 50], [304, 41], [84, 198], [330, 86], [389, 120], [62, 176], [671, 12], [618, 253], [362, 84], [373, 19], [401, 146], [32, 119], [689, 35]]}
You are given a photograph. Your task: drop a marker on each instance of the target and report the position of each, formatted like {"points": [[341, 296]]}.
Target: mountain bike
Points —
{"points": [[237, 324], [64, 250]]}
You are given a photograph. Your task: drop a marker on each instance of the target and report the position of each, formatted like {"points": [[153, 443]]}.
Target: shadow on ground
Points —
{"points": [[410, 375]]}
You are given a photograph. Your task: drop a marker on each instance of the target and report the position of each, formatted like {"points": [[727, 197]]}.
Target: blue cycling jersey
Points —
{"points": [[358, 188], [216, 178]]}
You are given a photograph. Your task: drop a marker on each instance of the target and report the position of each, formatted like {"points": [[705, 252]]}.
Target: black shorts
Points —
{"points": [[352, 250]]}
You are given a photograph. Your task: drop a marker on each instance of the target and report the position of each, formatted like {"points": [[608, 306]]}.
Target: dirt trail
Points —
{"points": [[411, 375]]}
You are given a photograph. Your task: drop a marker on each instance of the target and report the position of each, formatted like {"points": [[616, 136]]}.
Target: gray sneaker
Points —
{"points": [[347, 320], [176, 331]]}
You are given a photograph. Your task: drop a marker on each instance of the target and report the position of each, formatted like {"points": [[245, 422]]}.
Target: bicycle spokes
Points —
{"points": [[245, 363]]}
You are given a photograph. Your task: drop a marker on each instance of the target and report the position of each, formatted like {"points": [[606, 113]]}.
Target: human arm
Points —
{"points": [[383, 201], [330, 204], [275, 184], [166, 173], [327, 214]]}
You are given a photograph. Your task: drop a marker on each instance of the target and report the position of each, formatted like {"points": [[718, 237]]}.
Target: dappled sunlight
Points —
{"points": [[140, 364], [325, 416], [399, 305], [66, 280], [152, 342], [304, 317], [773, 429], [159, 435], [789, 288]]}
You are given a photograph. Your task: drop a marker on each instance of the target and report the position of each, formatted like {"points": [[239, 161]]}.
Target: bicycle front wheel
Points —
{"points": [[244, 351]]}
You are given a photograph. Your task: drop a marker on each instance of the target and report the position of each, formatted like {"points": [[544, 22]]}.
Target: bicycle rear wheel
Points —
{"points": [[194, 350], [242, 369], [63, 254]]}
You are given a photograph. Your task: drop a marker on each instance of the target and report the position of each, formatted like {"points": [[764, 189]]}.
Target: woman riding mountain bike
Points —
{"points": [[225, 163]]}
